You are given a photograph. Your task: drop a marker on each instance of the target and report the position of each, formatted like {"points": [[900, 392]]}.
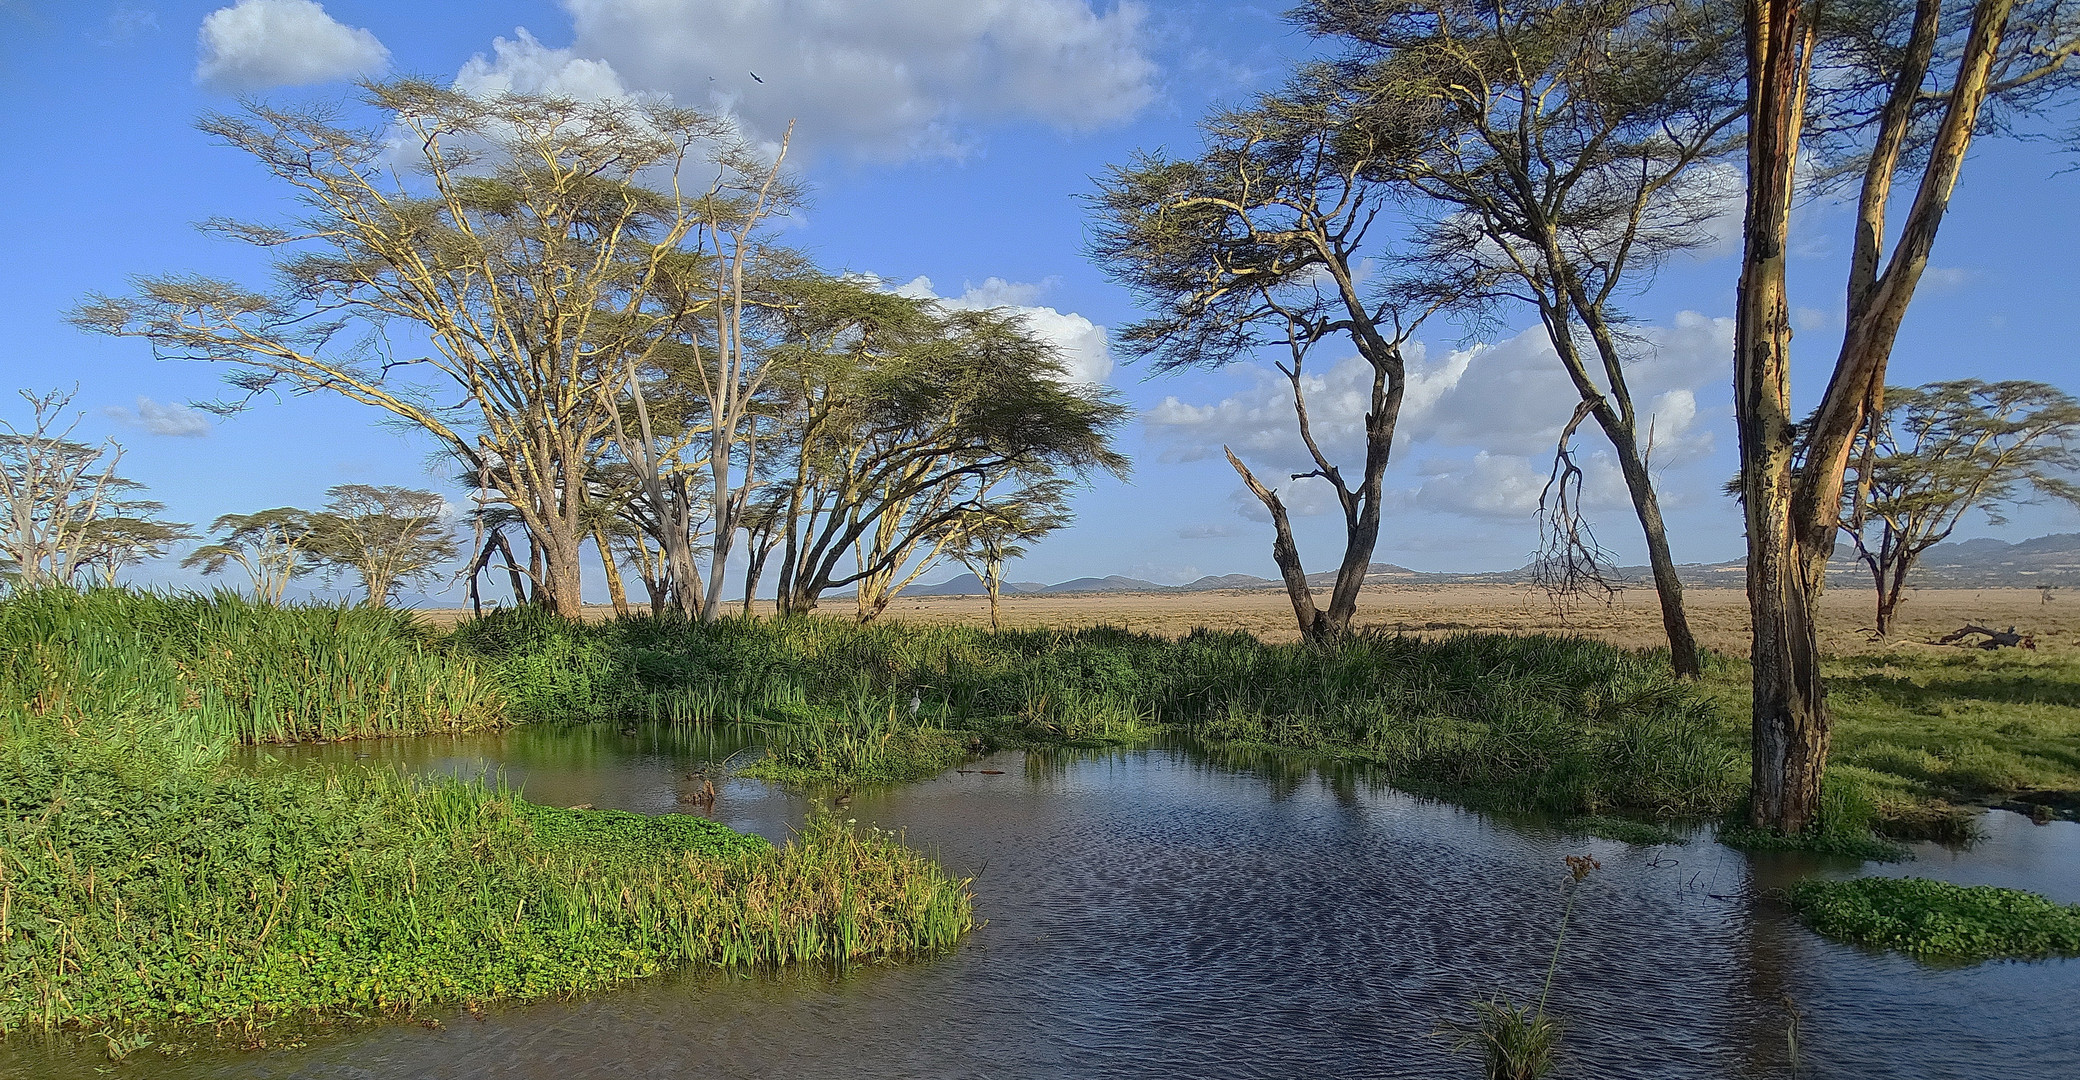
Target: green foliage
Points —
{"points": [[1522, 723], [148, 889], [225, 669], [1938, 920], [1516, 1042], [861, 745]]}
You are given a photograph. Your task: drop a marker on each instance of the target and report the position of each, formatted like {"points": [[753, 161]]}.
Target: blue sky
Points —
{"points": [[946, 140]]}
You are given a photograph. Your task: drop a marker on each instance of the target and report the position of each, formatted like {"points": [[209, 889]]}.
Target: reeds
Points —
{"points": [[1520, 723], [223, 668]]}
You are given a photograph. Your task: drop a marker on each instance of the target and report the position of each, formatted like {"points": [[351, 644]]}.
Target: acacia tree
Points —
{"points": [[53, 491], [126, 533], [1261, 241], [1940, 451], [273, 547], [900, 412], [1001, 526], [520, 243], [1901, 90], [1563, 168], [388, 536]]}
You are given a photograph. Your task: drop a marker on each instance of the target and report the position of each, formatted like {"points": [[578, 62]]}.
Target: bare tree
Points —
{"points": [[53, 491], [1563, 168], [524, 245], [1262, 240], [1938, 452], [1901, 88]]}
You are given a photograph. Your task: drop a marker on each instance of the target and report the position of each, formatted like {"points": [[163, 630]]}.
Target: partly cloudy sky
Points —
{"points": [[946, 144]]}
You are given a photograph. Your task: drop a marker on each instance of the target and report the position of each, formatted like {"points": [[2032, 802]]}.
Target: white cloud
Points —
{"points": [[1506, 401], [257, 44], [1086, 358], [170, 418], [887, 80], [1307, 497], [1945, 278], [1489, 485], [1208, 532], [523, 65]]}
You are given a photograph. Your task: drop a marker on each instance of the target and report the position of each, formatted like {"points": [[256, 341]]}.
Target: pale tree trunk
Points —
{"points": [[613, 571], [1793, 503]]}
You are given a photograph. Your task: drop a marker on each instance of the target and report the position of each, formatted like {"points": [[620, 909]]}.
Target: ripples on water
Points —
{"points": [[1155, 914]]}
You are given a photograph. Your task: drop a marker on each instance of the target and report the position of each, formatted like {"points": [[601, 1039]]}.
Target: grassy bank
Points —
{"points": [[146, 889], [1923, 735], [221, 668], [1522, 723]]}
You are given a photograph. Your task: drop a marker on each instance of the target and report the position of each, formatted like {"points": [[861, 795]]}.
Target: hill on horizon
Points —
{"points": [[2051, 561]]}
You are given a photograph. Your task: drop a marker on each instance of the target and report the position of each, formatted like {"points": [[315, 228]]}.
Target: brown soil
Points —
{"points": [[1718, 616]]}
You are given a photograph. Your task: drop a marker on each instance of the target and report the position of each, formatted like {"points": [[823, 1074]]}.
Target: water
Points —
{"points": [[1167, 913]]}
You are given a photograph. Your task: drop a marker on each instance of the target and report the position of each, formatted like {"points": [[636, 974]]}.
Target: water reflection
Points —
{"points": [[1172, 912]]}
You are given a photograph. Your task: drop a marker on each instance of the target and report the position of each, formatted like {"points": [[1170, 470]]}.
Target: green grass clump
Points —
{"points": [[865, 745], [1554, 724], [1940, 921], [149, 890], [221, 668]]}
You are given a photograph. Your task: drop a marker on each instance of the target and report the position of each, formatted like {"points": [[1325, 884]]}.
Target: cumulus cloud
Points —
{"points": [[257, 44], [1085, 356], [1307, 497], [523, 65], [1507, 401], [1208, 532], [169, 418], [888, 80]]}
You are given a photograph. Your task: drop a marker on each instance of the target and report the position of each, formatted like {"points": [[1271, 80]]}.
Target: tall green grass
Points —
{"points": [[223, 668], [146, 888], [1532, 723]]}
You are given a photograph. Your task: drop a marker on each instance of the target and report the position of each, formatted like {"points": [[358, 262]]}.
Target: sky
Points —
{"points": [[947, 145]]}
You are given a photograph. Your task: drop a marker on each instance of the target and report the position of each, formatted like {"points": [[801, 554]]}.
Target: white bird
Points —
{"points": [[916, 700]]}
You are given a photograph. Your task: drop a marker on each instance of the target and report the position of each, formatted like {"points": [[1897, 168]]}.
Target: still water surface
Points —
{"points": [[1176, 913]]}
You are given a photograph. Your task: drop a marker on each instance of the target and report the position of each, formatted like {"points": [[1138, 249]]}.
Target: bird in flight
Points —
{"points": [[755, 78]]}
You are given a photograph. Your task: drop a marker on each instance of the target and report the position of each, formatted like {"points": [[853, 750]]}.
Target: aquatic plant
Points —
{"points": [[1936, 920], [1523, 1042]]}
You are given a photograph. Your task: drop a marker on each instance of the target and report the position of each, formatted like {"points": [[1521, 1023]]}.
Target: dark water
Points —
{"points": [[1166, 913]]}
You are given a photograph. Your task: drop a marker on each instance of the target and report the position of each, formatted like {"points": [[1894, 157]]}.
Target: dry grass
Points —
{"points": [[1633, 620]]}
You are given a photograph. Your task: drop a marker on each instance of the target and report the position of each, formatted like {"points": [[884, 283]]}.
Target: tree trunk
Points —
{"points": [[613, 570], [1284, 552], [993, 584], [1789, 711], [1675, 623]]}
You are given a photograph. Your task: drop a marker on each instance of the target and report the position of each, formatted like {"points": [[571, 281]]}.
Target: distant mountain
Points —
{"points": [[970, 585], [1111, 583], [1211, 582], [1966, 564]]}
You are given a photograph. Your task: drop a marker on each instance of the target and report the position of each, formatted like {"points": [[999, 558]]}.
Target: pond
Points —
{"points": [[1175, 911]]}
